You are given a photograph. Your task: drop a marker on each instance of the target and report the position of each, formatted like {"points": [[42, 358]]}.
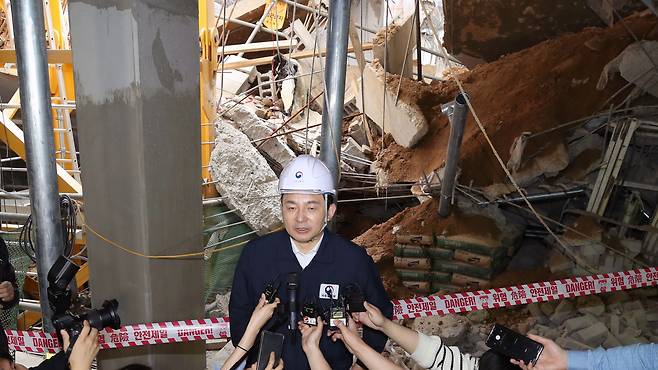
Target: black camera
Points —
{"points": [[105, 317], [60, 276], [271, 291], [354, 298], [310, 314]]}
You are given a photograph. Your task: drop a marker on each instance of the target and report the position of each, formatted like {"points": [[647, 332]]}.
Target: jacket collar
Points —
{"points": [[325, 253]]}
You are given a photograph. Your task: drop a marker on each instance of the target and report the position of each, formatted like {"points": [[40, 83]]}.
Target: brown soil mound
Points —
{"points": [[532, 90], [424, 219]]}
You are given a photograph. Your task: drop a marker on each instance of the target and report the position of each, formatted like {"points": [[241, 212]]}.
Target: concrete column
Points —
{"points": [[137, 93]]}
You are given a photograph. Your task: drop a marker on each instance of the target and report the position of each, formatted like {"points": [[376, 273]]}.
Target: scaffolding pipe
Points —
{"points": [[29, 34], [457, 120], [258, 27], [17, 217], [419, 46], [29, 305], [334, 77], [539, 197]]}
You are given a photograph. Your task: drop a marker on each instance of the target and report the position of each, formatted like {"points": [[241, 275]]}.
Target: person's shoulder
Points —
{"points": [[347, 246], [266, 242]]}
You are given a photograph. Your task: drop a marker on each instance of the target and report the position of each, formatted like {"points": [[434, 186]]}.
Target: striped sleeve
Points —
{"points": [[431, 353]]}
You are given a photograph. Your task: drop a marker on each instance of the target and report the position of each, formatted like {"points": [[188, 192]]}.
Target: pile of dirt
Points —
{"points": [[533, 90], [424, 219]]}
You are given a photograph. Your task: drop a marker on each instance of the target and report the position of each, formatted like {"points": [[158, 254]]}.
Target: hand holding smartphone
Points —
{"points": [[514, 345], [269, 342]]}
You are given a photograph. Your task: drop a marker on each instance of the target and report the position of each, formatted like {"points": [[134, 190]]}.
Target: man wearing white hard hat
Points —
{"points": [[325, 264]]}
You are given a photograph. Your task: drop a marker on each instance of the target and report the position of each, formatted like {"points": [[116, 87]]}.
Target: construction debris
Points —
{"points": [[396, 51], [634, 65], [244, 179], [404, 121]]}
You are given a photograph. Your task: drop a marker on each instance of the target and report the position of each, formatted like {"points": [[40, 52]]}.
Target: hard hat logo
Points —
{"points": [[306, 174]]}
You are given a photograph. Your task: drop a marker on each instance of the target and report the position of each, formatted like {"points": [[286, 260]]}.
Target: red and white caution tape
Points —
{"points": [[128, 336], [194, 330], [524, 294]]}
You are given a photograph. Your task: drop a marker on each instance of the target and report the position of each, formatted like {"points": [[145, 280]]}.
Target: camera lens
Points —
{"points": [[104, 317]]}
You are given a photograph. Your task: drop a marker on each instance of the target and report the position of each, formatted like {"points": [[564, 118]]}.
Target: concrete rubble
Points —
{"points": [[405, 122], [244, 178]]}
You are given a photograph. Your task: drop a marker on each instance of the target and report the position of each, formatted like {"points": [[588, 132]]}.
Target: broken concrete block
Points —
{"points": [[593, 335], [357, 130], [535, 310], [234, 81], [395, 46], [580, 322], [352, 153], [247, 121], [404, 121], [302, 141], [615, 322], [619, 296], [634, 65], [631, 336], [591, 304], [572, 344], [245, 180], [559, 263], [611, 341], [563, 311], [547, 332], [451, 328], [633, 246], [478, 316], [547, 308]]}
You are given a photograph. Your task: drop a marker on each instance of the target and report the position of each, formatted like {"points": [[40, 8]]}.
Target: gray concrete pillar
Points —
{"points": [[137, 93]]}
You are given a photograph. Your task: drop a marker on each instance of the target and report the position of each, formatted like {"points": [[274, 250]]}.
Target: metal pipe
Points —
{"points": [[334, 77], [457, 120], [258, 27], [8, 216], [247, 24], [539, 197], [34, 86], [29, 305], [419, 46]]}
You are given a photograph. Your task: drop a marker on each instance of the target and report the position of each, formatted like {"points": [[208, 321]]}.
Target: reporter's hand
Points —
{"points": [[270, 363], [372, 318], [552, 357], [348, 335], [6, 291], [311, 335], [66, 341], [262, 313], [85, 348]]}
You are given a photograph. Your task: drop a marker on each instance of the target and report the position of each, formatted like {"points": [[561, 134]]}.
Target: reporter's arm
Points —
{"points": [[259, 317], [639, 356], [311, 345]]}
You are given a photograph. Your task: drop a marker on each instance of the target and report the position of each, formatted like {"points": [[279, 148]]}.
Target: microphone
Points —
{"points": [[293, 278]]}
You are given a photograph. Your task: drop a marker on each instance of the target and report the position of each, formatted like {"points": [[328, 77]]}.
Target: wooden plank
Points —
{"points": [[54, 56], [255, 47], [296, 55]]}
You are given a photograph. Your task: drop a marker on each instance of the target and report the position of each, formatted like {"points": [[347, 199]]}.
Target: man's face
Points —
{"points": [[303, 215], [6, 365]]}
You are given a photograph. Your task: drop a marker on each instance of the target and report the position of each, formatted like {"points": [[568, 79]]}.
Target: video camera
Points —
{"points": [[60, 276]]}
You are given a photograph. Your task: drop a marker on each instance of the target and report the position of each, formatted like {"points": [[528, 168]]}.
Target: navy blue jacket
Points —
{"points": [[338, 261]]}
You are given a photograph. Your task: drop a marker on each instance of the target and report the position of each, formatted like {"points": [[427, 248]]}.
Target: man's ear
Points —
{"points": [[331, 211]]}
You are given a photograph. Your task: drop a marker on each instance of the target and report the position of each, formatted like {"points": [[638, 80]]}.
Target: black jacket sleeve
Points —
{"points": [[7, 273], [375, 294], [57, 362], [241, 304]]}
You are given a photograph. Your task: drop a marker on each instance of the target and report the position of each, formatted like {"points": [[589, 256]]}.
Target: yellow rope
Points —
{"points": [[157, 257]]}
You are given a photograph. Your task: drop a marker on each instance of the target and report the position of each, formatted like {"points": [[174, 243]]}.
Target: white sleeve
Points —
{"points": [[431, 353]]}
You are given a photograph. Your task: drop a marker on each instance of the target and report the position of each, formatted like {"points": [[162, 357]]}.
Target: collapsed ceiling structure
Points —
{"points": [[564, 96]]}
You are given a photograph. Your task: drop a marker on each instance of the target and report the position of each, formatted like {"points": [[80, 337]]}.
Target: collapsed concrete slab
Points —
{"points": [[400, 40], [352, 153], [634, 65], [247, 121], [244, 179], [404, 121]]}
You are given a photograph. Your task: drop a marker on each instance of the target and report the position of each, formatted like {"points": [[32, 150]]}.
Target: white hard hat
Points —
{"points": [[306, 174]]}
